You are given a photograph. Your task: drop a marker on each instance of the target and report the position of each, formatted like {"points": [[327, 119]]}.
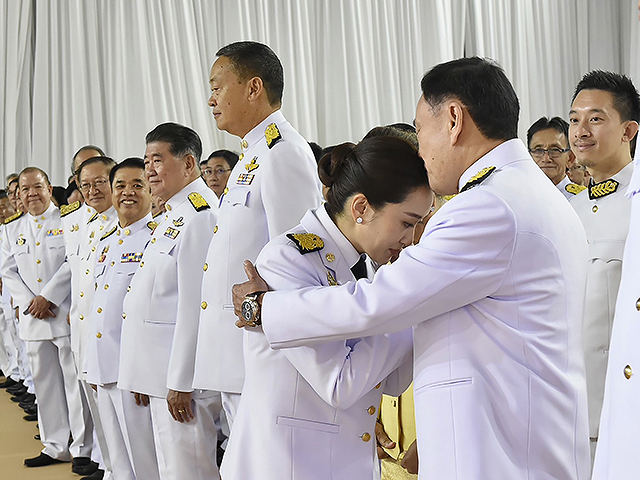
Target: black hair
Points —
{"points": [[131, 162], [58, 194], [384, 169], [3, 194], [230, 157], [32, 170], [106, 161], [253, 59], [543, 123], [626, 99], [84, 149], [316, 149], [70, 189], [394, 131], [182, 140], [482, 87]]}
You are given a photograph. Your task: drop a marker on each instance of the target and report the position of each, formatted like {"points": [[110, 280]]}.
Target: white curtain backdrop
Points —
{"points": [[107, 71]]}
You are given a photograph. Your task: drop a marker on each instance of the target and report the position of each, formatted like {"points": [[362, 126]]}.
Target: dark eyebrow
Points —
{"points": [[414, 215]]}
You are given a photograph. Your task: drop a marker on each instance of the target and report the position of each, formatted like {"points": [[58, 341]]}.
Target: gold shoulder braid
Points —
{"points": [[478, 178], [198, 201], [272, 134], [13, 217], [67, 209], [602, 189], [574, 188], [110, 232], [306, 242]]}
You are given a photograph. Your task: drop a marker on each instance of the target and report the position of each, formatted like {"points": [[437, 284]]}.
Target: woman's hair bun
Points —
{"points": [[330, 165]]}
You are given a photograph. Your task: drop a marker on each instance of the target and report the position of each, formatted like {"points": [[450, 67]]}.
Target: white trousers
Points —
{"points": [[230, 403], [100, 453], [60, 409], [8, 349], [185, 450], [127, 428]]}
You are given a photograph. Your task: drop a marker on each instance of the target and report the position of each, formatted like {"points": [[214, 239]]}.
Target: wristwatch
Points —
{"points": [[251, 309]]}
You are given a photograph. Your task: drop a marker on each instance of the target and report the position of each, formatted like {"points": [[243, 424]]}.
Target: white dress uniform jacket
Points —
{"points": [[309, 412], [162, 297], [271, 187], [74, 222], [495, 293], [604, 211], [568, 188], [119, 254], [617, 452], [33, 253]]}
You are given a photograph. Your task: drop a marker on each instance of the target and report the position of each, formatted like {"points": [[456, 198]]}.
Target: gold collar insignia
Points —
{"points": [[478, 178], [306, 242], [272, 134], [602, 189]]}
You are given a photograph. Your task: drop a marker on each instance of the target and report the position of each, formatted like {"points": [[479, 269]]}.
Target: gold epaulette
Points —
{"points": [[602, 189], [306, 242], [93, 217], [152, 225], [13, 217], [198, 201], [574, 188], [478, 178], [272, 135], [110, 232], [67, 209]]}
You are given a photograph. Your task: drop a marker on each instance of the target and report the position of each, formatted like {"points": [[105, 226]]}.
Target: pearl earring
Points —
{"points": [[359, 220]]}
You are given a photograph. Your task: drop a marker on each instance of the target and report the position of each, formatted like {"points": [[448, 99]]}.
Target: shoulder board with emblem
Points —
{"points": [[602, 189], [478, 178], [306, 242], [198, 201], [152, 225], [13, 217], [110, 232], [67, 209], [272, 134], [574, 188], [93, 217]]}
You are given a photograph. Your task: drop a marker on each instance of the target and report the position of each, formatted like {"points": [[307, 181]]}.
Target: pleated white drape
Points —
{"points": [[107, 71]]}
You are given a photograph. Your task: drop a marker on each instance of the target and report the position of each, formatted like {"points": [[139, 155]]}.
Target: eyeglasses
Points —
{"points": [[98, 184], [217, 172], [552, 152]]}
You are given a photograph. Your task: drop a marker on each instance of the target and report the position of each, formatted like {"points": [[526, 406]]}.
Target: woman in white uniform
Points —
{"points": [[309, 413]]}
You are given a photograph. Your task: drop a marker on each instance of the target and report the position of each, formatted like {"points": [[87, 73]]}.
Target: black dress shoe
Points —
{"points": [[36, 436], [41, 460], [31, 409], [97, 475], [24, 398], [17, 389], [29, 399], [31, 417], [83, 466], [8, 382]]}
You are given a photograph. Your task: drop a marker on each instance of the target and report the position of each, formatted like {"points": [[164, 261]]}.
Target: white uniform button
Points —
{"points": [[594, 209], [203, 305], [205, 267], [366, 437], [99, 310], [371, 410], [628, 372], [124, 315], [81, 317], [38, 261], [82, 294], [99, 335]]}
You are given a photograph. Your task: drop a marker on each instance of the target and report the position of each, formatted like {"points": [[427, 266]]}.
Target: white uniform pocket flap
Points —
{"points": [[308, 424]]}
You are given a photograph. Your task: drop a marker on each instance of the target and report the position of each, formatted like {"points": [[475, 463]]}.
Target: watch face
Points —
{"points": [[247, 311]]}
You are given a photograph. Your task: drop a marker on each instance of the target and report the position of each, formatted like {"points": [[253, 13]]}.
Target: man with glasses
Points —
{"points": [[216, 170], [84, 225], [548, 144], [603, 125]]}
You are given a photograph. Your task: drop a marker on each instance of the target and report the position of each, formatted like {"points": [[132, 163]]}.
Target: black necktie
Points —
{"points": [[359, 270]]}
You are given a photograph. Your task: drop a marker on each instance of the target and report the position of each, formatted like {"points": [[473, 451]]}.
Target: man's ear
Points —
{"points": [[255, 88], [455, 120]]}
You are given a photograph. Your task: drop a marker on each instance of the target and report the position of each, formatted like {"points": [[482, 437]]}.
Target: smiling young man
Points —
{"points": [[603, 125], [163, 304], [33, 252], [548, 144], [127, 426]]}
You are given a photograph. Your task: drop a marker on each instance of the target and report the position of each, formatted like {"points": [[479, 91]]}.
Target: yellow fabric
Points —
{"points": [[398, 419]]}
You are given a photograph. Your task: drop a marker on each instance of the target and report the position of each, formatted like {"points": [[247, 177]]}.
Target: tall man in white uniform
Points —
{"points": [[271, 187], [127, 426], [548, 143], [33, 254], [617, 453], [164, 299], [603, 123], [494, 295]]}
